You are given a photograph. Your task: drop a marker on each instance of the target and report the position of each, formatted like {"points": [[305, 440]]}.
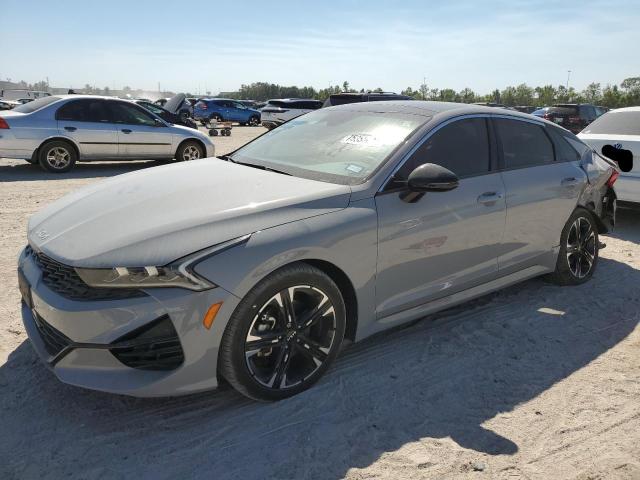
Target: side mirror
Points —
{"points": [[158, 122], [430, 177]]}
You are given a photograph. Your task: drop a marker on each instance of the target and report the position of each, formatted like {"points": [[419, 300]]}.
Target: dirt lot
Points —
{"points": [[535, 382]]}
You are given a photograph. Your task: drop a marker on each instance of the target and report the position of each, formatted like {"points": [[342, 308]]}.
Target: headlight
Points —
{"points": [[177, 274], [141, 277]]}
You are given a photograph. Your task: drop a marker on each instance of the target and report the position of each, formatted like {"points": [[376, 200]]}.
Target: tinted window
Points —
{"points": [[35, 105], [564, 151], [462, 147], [84, 111], [612, 123], [131, 114], [523, 144]]}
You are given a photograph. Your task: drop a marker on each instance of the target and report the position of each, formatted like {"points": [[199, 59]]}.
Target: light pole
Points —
{"points": [[568, 75]]}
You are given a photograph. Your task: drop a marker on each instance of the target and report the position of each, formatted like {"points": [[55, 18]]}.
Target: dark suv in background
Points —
{"points": [[573, 116], [343, 98]]}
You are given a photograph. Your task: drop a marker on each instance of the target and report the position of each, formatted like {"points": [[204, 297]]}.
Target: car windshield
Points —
{"points": [[616, 123], [35, 105], [337, 146]]}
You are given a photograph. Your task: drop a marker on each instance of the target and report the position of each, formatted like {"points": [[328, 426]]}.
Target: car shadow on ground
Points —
{"points": [[26, 172], [444, 376], [627, 224]]}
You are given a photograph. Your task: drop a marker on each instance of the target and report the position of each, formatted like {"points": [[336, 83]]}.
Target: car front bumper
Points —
{"points": [[78, 340]]}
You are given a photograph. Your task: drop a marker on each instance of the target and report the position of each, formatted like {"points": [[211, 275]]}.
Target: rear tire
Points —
{"points": [[579, 250], [57, 156], [254, 121], [284, 334]]}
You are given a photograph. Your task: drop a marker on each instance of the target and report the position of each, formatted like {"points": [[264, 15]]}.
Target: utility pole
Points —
{"points": [[424, 82], [568, 75]]}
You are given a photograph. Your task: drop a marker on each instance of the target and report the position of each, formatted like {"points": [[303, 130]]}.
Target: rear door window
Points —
{"points": [[524, 144], [85, 110]]}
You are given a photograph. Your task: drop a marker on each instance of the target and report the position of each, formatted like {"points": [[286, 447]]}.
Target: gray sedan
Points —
{"points": [[58, 131], [339, 224]]}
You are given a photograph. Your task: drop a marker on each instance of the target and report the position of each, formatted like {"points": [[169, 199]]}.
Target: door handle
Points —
{"points": [[489, 198], [126, 130], [569, 182], [70, 129]]}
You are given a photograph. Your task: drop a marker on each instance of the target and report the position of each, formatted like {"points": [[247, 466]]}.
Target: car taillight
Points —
{"points": [[3, 124], [612, 179]]}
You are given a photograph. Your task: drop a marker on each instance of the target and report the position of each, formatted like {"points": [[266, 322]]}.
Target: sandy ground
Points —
{"points": [[534, 382]]}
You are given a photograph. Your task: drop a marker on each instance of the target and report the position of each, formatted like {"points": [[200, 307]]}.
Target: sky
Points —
{"points": [[201, 46]]}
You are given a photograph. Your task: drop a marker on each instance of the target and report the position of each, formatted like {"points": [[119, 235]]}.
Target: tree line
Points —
{"points": [[611, 96], [626, 94]]}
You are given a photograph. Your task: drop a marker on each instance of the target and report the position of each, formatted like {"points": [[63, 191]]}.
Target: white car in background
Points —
{"points": [[616, 135], [276, 112]]}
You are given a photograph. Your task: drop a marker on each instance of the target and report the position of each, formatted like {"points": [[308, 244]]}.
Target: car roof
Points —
{"points": [[625, 109], [427, 108]]}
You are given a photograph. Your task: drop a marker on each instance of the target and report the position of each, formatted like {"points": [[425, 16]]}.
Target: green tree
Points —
{"points": [[612, 97], [593, 94], [467, 96], [545, 95], [631, 89]]}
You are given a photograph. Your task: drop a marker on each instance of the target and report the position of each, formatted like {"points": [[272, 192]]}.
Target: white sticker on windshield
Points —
{"points": [[360, 139], [354, 168]]}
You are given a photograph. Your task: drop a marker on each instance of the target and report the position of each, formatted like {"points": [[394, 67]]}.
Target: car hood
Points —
{"points": [[155, 216], [175, 102]]}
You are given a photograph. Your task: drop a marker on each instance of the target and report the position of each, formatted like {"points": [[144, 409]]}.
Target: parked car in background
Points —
{"points": [[525, 108], [25, 100], [249, 104], [345, 98], [8, 104], [351, 221], [541, 112], [167, 116], [161, 101], [224, 110], [58, 131], [572, 116], [278, 111], [490, 104], [616, 135], [16, 93]]}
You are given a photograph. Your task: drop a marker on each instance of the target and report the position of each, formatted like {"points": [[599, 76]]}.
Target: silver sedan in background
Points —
{"points": [[58, 131]]}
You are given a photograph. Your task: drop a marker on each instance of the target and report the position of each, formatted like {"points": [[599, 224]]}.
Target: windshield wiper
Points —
{"points": [[255, 165]]}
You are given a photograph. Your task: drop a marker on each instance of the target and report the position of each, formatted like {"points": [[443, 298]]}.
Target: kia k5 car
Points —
{"points": [[58, 131], [347, 221], [616, 134]]}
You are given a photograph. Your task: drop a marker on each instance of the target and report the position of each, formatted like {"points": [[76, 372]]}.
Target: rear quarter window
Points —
{"points": [[35, 105]]}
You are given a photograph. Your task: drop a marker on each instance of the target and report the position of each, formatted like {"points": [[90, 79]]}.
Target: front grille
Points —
{"points": [[155, 346], [64, 280], [54, 341]]}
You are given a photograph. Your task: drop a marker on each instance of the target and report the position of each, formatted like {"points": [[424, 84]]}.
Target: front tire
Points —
{"points": [[254, 121], [579, 249], [284, 334], [189, 150], [57, 156]]}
